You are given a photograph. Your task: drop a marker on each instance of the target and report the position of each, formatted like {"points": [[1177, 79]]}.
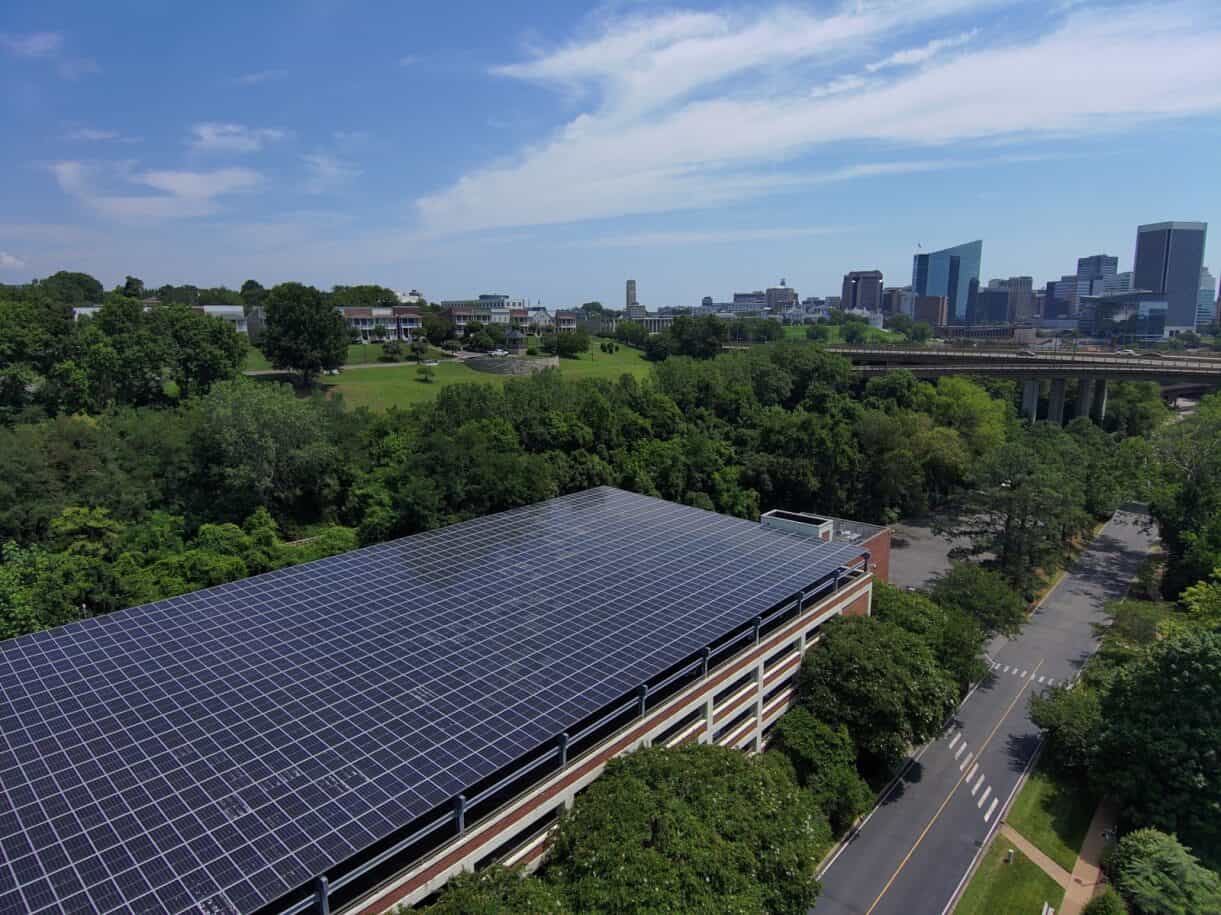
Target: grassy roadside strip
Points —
{"points": [[1018, 887]]}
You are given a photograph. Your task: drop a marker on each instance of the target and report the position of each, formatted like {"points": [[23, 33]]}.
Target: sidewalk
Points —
{"points": [[1026, 847], [1087, 876]]}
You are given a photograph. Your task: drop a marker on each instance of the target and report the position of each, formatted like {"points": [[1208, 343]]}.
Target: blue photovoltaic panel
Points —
{"points": [[214, 751]]}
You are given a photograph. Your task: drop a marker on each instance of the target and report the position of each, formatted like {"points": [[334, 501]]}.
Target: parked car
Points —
{"points": [[499, 352]]}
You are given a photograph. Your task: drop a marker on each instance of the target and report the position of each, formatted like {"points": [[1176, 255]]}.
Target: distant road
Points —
{"points": [[911, 854]]}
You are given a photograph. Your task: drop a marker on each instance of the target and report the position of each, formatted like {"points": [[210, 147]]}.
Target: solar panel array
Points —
{"points": [[214, 751]]}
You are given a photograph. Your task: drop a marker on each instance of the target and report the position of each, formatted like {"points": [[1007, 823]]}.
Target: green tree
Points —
{"points": [[303, 333], [253, 294], [1161, 734], [982, 594], [437, 328], [1071, 719], [497, 890], [426, 373], [881, 682], [1024, 503], [68, 288], [133, 287], [955, 637], [699, 829], [1203, 600], [921, 332], [1108, 902], [824, 763], [1157, 875], [203, 349]]}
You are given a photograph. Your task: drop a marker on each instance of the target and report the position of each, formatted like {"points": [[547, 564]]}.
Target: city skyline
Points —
{"points": [[599, 134]]}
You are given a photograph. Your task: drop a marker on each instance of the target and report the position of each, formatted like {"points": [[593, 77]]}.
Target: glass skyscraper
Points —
{"points": [[1169, 257], [953, 273]]}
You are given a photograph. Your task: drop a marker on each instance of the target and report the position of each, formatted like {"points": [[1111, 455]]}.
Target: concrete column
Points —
{"points": [[1099, 408], [1030, 398], [1085, 396], [1055, 406]]}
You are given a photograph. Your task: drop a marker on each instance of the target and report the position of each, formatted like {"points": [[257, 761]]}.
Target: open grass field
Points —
{"points": [[357, 353], [398, 385], [1016, 888], [873, 334], [1054, 815]]}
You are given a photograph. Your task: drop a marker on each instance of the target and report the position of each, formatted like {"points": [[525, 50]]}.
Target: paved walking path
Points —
{"points": [[1031, 851], [1087, 877]]}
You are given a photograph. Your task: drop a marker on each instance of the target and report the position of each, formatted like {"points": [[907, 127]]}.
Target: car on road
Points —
{"points": [[499, 352], [1027, 352], [1126, 352]]}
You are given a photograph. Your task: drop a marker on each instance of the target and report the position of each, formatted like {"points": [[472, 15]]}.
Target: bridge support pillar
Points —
{"points": [[1098, 409], [1085, 396], [1055, 405], [1030, 398]]}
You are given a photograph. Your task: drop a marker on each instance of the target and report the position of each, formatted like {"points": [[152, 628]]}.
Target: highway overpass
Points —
{"points": [[1091, 370]]}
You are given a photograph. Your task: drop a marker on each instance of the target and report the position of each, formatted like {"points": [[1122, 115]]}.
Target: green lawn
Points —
{"points": [[357, 353], [872, 334], [1054, 815], [1016, 888], [399, 385]]}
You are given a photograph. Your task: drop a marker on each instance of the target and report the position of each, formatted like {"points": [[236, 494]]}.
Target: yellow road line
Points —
{"points": [[948, 797]]}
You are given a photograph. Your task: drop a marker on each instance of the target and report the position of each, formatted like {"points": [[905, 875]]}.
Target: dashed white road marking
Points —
{"points": [[1023, 675], [971, 774], [983, 797], [1042, 680], [1006, 668], [955, 740], [962, 746], [978, 782], [991, 809], [962, 765]]}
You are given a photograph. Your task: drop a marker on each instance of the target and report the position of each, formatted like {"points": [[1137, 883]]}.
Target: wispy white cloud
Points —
{"points": [[259, 76], [32, 44], [10, 261], [96, 135], [234, 138], [685, 110], [408, 60], [181, 194], [909, 57], [326, 173]]}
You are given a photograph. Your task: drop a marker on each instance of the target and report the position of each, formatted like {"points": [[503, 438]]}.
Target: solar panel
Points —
{"points": [[214, 751]]}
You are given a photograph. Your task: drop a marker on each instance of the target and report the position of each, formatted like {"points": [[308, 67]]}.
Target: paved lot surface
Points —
{"points": [[913, 851], [917, 555]]}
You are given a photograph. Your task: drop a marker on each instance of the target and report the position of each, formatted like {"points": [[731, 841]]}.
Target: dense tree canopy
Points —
{"points": [[1160, 743], [1157, 875], [983, 595], [497, 891], [304, 332], [955, 638], [824, 763], [880, 681], [701, 829]]}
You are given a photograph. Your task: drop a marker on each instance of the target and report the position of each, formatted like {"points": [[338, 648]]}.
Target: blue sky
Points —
{"points": [[553, 149]]}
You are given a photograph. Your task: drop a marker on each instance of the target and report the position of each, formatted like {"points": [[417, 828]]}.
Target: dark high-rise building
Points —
{"points": [[863, 290], [892, 299], [629, 298], [991, 306], [1169, 257], [781, 298], [951, 272], [930, 308], [1093, 272]]}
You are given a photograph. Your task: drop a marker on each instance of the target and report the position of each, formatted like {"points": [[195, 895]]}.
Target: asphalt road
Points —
{"points": [[910, 855]]}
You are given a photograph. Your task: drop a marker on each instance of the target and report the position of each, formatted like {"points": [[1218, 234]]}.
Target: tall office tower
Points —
{"points": [[951, 272], [862, 290], [892, 299], [1169, 258], [1092, 273], [1021, 297], [630, 298], [992, 306], [1206, 301], [781, 299], [1118, 284]]}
